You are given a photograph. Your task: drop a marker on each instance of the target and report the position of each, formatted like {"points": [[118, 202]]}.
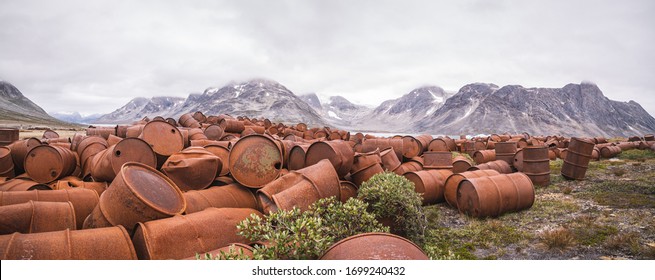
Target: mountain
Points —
{"points": [[16, 109], [338, 112], [312, 100], [141, 107], [395, 115], [255, 98], [75, 117], [574, 110]]}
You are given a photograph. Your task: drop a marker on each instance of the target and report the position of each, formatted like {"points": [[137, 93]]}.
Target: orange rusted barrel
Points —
{"points": [[505, 151], [45, 163], [113, 140], [19, 150], [441, 145], [437, 160], [8, 135], [626, 146], [98, 187], [499, 165], [87, 149], [450, 186], [374, 246], [255, 160], [297, 157], [256, 129], [200, 117], [536, 165], [232, 125], [347, 190], [286, 146], [134, 130], [22, 184], [83, 200], [577, 159], [389, 160], [228, 196], [223, 153], [407, 167], [461, 164], [494, 195], [164, 139], [36, 216], [193, 168], [429, 183], [214, 132], [610, 151], [338, 152], [196, 134], [518, 160], [92, 244], [107, 164], [369, 145], [6, 163], [414, 146], [182, 236], [139, 193], [484, 156], [187, 120]]}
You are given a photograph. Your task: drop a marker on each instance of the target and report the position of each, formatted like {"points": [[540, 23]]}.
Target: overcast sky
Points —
{"points": [[94, 56]]}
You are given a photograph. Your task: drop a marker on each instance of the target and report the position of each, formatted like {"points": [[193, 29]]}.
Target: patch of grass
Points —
{"points": [[637, 155], [588, 231], [598, 165], [624, 241], [544, 208], [556, 167], [621, 194], [560, 238]]}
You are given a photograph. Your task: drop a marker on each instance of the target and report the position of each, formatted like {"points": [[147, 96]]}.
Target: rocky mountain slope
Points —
{"points": [[141, 107], [75, 117], [18, 110], [574, 110], [338, 112]]}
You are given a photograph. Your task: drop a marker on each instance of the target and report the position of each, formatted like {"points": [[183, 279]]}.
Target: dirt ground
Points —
{"points": [[38, 133], [609, 215]]}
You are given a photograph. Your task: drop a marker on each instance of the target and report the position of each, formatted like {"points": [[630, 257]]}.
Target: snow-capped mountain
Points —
{"points": [[141, 107], [339, 112], [75, 117]]}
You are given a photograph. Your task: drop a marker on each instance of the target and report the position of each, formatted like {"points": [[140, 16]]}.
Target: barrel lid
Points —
{"points": [[255, 160], [132, 149], [164, 138], [44, 164], [153, 188], [374, 246]]}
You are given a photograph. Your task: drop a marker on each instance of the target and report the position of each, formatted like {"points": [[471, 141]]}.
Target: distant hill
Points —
{"points": [[17, 110]]}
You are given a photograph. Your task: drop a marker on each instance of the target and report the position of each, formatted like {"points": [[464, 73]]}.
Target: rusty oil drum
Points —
{"points": [[536, 165], [369, 145], [255, 160], [429, 183], [505, 151], [389, 160], [437, 160], [182, 236], [338, 152], [297, 156], [193, 168], [138, 194], [37, 216], [164, 139], [223, 153], [365, 165], [484, 156], [461, 164], [577, 159], [494, 195], [91, 244], [347, 190], [228, 196], [108, 162], [450, 186], [22, 184], [19, 150], [6, 163], [499, 165], [374, 246], [610, 151], [45, 163]]}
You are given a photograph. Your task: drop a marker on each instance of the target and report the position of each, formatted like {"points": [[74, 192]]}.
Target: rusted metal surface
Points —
{"points": [[193, 168], [347, 190], [164, 139], [297, 156], [36, 216], [437, 160], [452, 182], [495, 195], [444, 144], [94, 244], [8, 135], [499, 165], [6, 163], [518, 160], [338, 152], [389, 160], [232, 125], [374, 246], [19, 150], [187, 120], [365, 165], [214, 132], [139, 193], [22, 184], [610, 151], [407, 167], [223, 153], [108, 163], [255, 160], [461, 164], [45, 163], [182, 236], [536, 165], [577, 159], [649, 137], [228, 196], [134, 130], [83, 200], [98, 187], [87, 149], [103, 132], [369, 145], [415, 146], [505, 151], [429, 183], [484, 156], [113, 140]]}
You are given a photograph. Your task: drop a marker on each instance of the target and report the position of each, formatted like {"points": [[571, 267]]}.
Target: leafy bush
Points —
{"points": [[306, 235], [392, 197]]}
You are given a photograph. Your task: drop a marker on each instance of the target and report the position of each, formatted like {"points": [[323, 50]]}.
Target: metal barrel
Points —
{"points": [[93, 244], [495, 195], [297, 156], [83, 200], [577, 159], [214, 132], [347, 190], [19, 150], [182, 236], [461, 164], [429, 183], [193, 168], [369, 145], [450, 186], [223, 153], [164, 139], [505, 151], [407, 167], [232, 125], [437, 160], [389, 160], [499, 165], [610, 151], [537, 165], [113, 140], [187, 120], [415, 146], [107, 164], [484, 156], [98, 187], [255, 160], [22, 184], [442, 145], [196, 134], [139, 193], [36, 216], [338, 152], [200, 117], [365, 165], [374, 246], [228, 196], [45, 163], [518, 160], [6, 163], [8, 135], [103, 132]]}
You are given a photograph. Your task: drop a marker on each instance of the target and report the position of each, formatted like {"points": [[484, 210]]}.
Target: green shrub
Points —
{"points": [[306, 235], [392, 197], [232, 254]]}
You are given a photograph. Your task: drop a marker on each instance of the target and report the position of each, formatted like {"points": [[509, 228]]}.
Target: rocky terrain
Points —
{"points": [[338, 112], [17, 110]]}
